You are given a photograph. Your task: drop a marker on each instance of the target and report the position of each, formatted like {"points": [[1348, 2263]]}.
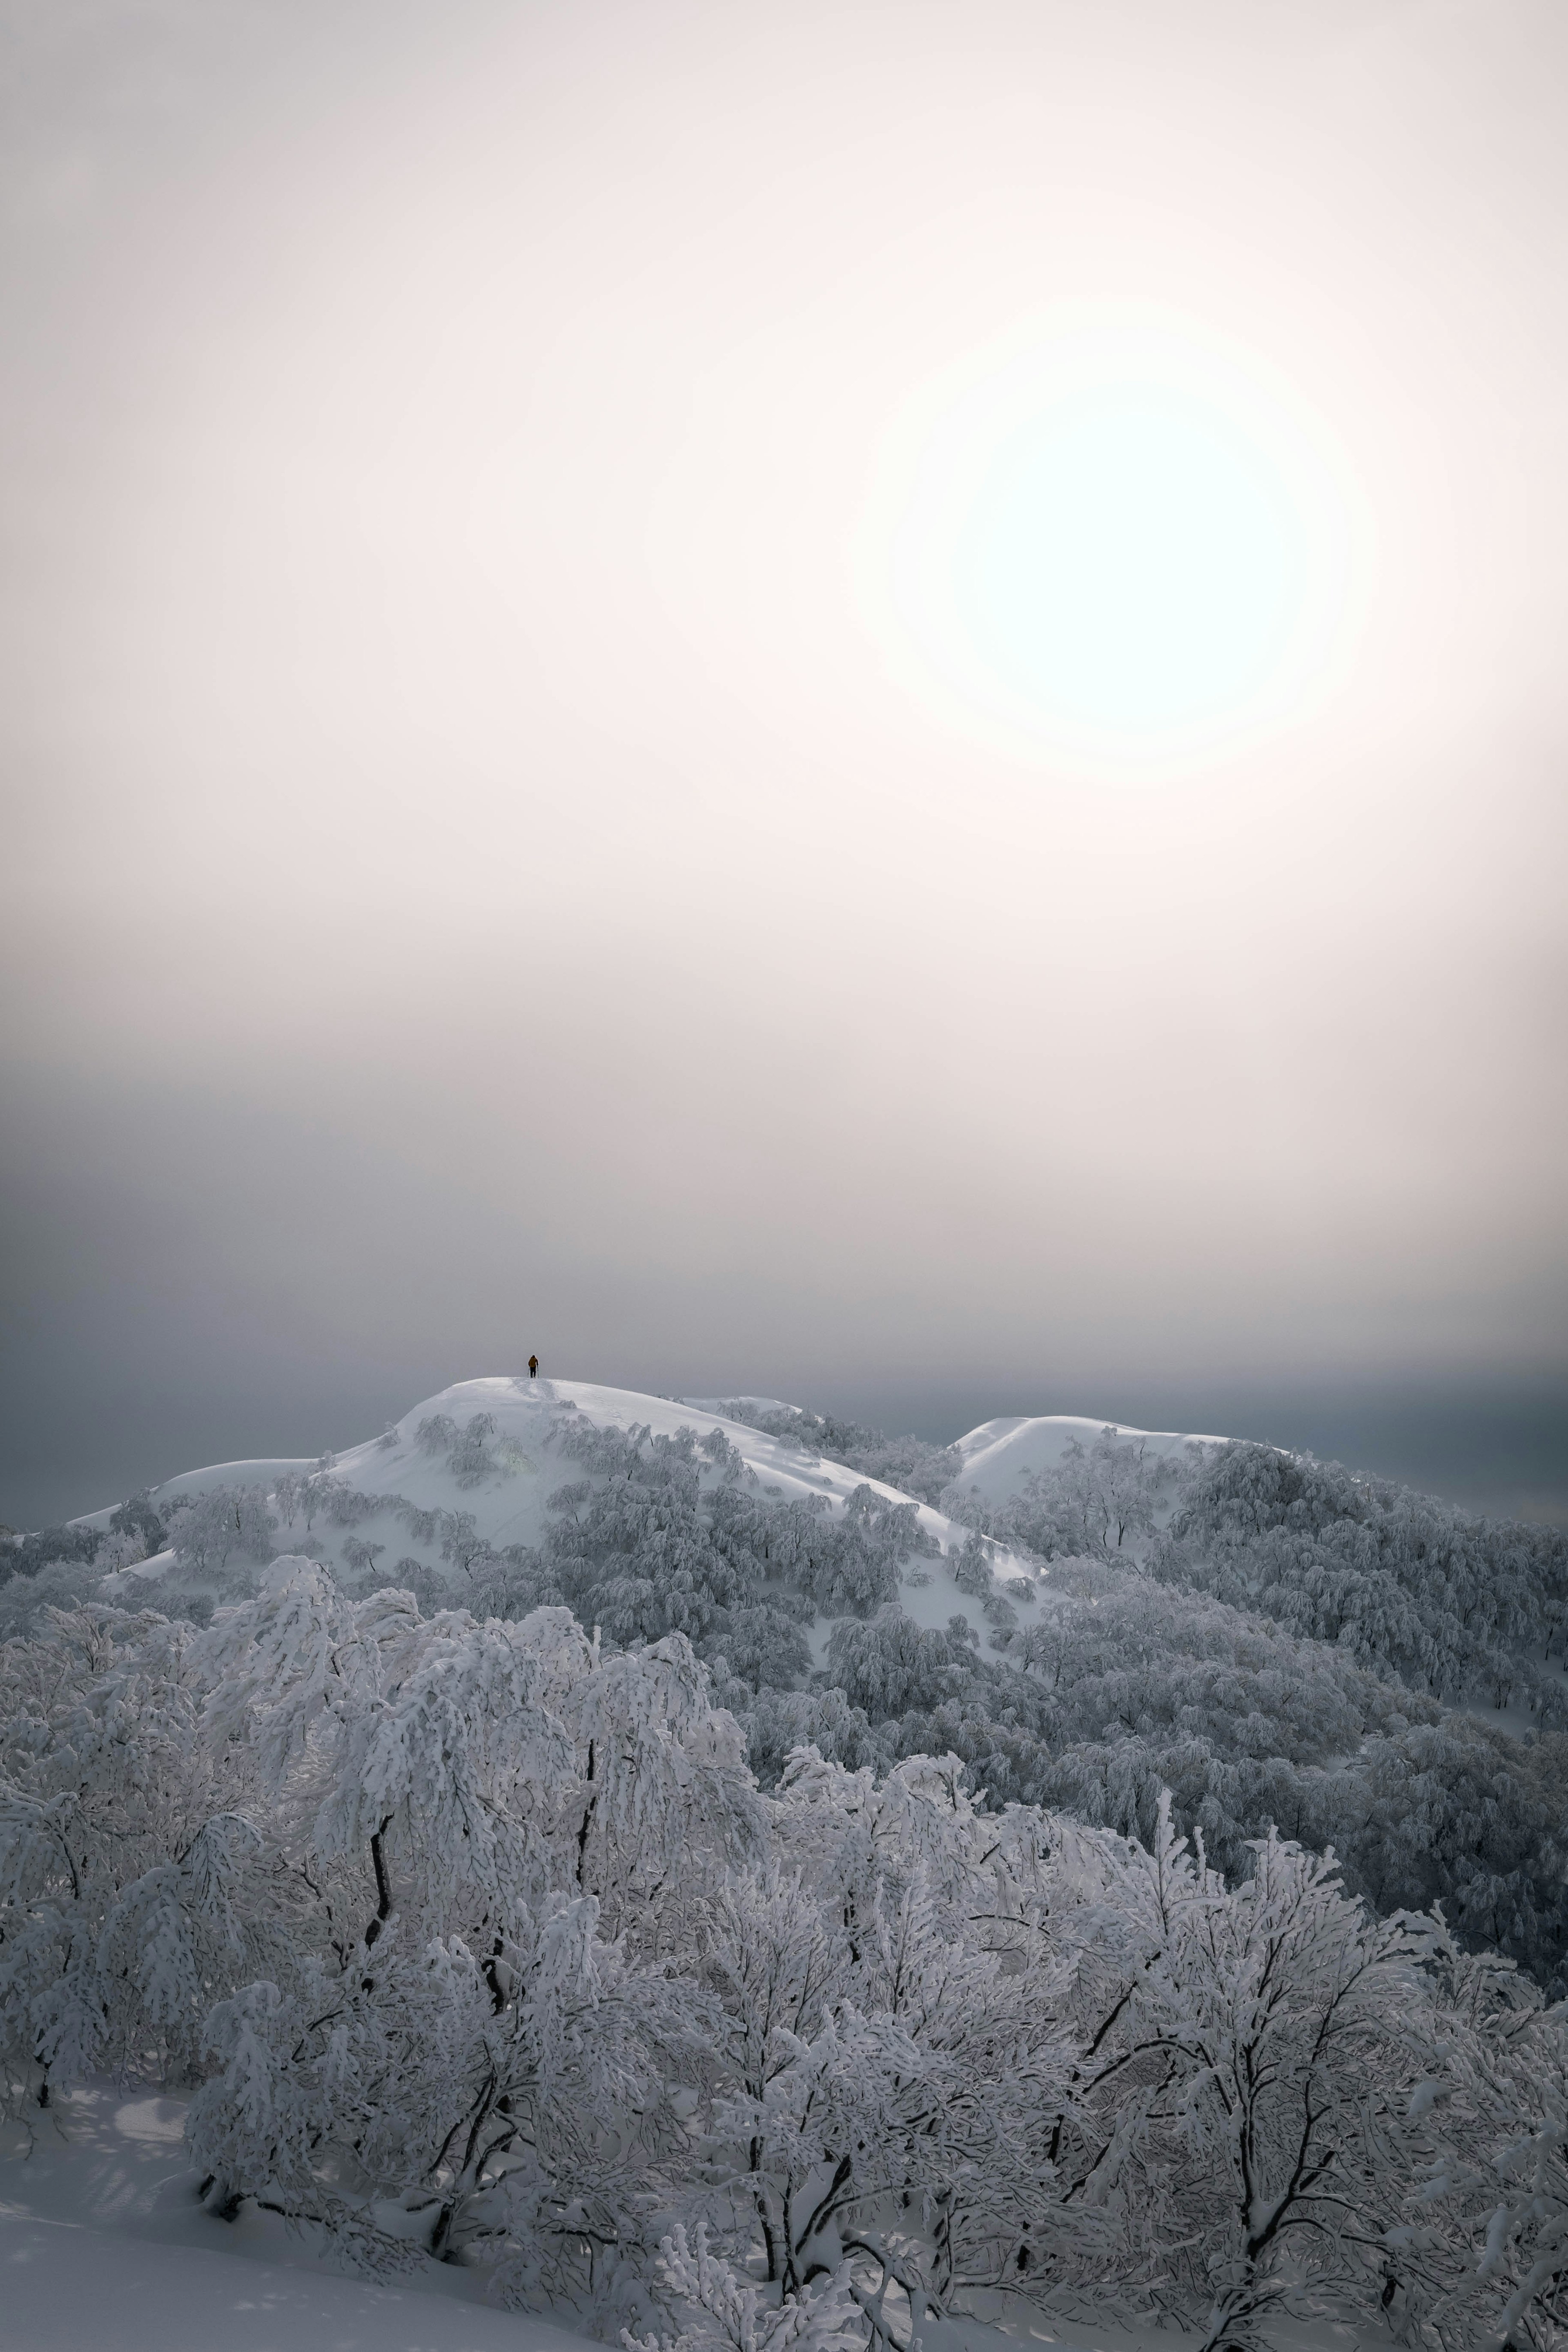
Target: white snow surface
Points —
{"points": [[757, 1404], [509, 1507]]}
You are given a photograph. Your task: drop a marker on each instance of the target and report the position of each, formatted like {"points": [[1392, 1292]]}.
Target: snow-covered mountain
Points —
{"points": [[437, 1966], [515, 1471]]}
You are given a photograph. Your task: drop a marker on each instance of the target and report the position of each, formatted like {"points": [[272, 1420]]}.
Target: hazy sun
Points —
{"points": [[1115, 541]]}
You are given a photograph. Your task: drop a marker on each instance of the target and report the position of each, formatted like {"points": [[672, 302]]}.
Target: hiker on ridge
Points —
{"points": [[533, 1368]]}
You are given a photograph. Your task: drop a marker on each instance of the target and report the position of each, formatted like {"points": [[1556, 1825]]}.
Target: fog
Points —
{"points": [[506, 847]]}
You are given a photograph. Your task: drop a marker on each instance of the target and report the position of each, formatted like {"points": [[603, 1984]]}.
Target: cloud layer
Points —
{"points": [[474, 866]]}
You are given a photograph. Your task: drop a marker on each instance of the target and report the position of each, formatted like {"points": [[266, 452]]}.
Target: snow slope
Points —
{"points": [[508, 1508], [1000, 1454], [102, 2243], [263, 1472], [757, 1404]]}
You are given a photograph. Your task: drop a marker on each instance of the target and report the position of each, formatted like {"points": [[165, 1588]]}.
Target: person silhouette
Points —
{"points": [[533, 1368]]}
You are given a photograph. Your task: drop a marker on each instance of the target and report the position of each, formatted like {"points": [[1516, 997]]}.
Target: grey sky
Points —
{"points": [[481, 869]]}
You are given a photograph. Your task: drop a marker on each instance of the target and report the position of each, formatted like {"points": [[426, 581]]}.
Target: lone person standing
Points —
{"points": [[533, 1368]]}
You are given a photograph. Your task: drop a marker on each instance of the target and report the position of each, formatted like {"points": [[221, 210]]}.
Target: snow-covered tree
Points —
{"points": [[225, 1522], [119, 1851], [1407, 1584], [890, 1665], [1481, 2254]]}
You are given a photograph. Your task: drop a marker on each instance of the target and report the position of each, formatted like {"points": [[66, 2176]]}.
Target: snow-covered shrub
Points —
{"points": [[740, 2316]]}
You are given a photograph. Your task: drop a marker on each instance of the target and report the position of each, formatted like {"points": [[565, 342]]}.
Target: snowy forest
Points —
{"points": [[744, 1912]]}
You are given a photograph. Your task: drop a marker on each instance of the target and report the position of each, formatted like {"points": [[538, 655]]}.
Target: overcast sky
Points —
{"points": [[858, 700]]}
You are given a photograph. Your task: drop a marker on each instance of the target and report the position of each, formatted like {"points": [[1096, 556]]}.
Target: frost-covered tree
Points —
{"points": [[763, 1646], [26, 1600], [136, 1519], [476, 1940], [119, 1844], [877, 2048], [664, 1534], [1406, 1584], [891, 1666], [1257, 2039], [946, 1972], [780, 1721], [489, 1792], [226, 1523], [25, 1555], [469, 1454]]}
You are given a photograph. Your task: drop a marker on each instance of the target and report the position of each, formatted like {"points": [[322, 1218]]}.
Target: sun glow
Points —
{"points": [[1114, 542]]}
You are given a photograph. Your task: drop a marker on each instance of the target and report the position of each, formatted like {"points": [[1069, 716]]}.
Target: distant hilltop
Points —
{"points": [[473, 1467]]}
